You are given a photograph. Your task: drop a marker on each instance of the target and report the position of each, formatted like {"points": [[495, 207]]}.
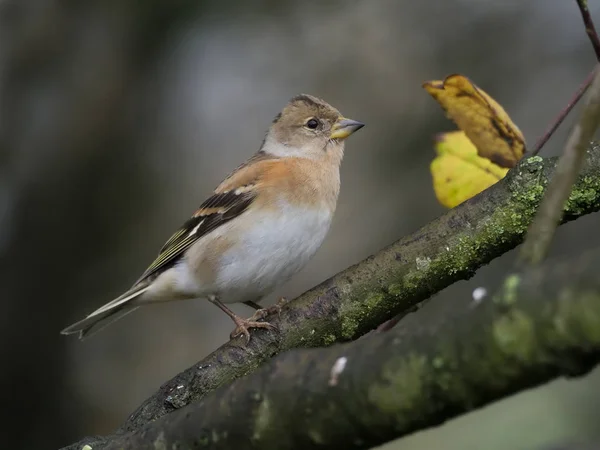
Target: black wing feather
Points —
{"points": [[213, 212]]}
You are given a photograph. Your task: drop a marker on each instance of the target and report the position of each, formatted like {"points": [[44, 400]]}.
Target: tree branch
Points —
{"points": [[582, 89], [541, 231], [541, 324], [590, 30], [356, 300]]}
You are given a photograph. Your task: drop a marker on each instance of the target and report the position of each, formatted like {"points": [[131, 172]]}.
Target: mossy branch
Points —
{"points": [[541, 231], [541, 324], [356, 300]]}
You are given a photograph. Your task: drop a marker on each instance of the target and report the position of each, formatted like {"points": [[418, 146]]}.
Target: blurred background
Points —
{"points": [[118, 117]]}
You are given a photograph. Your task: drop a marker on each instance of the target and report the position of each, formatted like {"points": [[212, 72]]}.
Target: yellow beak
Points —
{"points": [[344, 128]]}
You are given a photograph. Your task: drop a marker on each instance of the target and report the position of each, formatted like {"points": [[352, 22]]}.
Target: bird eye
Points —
{"points": [[312, 123]]}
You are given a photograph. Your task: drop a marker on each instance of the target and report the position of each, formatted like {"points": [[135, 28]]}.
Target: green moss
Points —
{"points": [[582, 198], [533, 160], [514, 335], [397, 289], [586, 314], [160, 442], [423, 263], [576, 319], [516, 219], [203, 440], [508, 295], [528, 197], [329, 339], [461, 254], [263, 418], [307, 335], [508, 223], [527, 192], [399, 390], [478, 243], [353, 313], [585, 195], [349, 327], [527, 184], [446, 373], [464, 252], [315, 436], [408, 286], [438, 362]]}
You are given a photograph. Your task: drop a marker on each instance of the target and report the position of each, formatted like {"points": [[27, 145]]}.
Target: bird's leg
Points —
{"points": [[252, 304], [261, 312], [276, 308], [242, 325]]}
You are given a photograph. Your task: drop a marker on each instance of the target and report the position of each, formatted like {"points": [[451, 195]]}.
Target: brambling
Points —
{"points": [[260, 226]]}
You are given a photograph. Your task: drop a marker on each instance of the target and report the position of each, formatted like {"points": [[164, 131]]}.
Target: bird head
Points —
{"points": [[309, 127]]}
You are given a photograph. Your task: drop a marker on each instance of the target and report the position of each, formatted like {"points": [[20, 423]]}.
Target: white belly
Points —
{"points": [[270, 251]]}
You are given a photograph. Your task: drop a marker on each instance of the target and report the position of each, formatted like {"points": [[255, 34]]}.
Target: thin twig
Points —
{"points": [[540, 233], [590, 29], [564, 113]]}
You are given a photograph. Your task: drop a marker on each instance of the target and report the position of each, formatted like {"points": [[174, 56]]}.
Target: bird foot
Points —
{"points": [[265, 312], [276, 308], [243, 326]]}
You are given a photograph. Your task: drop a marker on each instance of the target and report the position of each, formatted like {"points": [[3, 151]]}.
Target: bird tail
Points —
{"points": [[107, 314]]}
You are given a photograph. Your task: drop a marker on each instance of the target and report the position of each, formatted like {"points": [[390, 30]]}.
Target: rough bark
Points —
{"points": [[541, 324], [356, 300]]}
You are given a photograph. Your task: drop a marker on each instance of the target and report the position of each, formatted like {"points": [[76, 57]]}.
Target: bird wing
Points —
{"points": [[233, 196], [214, 212]]}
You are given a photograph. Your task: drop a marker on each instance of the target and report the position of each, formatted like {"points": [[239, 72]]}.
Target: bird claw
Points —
{"points": [[262, 313], [244, 325], [276, 308]]}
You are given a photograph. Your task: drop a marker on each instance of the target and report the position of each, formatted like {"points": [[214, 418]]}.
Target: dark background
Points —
{"points": [[117, 118]]}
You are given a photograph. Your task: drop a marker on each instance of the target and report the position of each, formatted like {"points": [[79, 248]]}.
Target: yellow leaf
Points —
{"points": [[482, 119], [458, 172]]}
